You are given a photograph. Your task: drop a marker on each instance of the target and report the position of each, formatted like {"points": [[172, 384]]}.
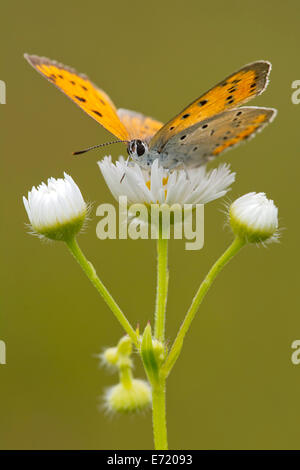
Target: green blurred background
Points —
{"points": [[234, 385]]}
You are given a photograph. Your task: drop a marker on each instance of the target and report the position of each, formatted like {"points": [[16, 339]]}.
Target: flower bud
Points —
{"points": [[56, 210], [125, 346], [110, 356], [159, 350], [254, 218], [153, 353], [125, 399]]}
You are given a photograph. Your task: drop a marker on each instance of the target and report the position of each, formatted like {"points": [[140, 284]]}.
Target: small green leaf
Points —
{"points": [[148, 355]]}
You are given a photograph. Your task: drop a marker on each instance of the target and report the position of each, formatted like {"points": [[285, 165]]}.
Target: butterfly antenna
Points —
{"points": [[99, 145]]}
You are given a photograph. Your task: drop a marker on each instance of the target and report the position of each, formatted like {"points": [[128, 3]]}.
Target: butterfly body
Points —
{"points": [[207, 127], [141, 154]]}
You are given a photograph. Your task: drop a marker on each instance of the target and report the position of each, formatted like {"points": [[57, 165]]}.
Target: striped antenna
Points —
{"points": [[99, 145]]}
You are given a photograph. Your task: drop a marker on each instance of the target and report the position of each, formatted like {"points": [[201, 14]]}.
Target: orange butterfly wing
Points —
{"points": [[209, 138], [238, 88], [139, 126], [95, 102]]}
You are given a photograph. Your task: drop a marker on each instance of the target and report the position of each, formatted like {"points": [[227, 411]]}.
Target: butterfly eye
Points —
{"points": [[140, 148]]}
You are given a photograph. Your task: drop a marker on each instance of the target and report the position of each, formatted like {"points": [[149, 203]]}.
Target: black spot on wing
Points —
{"points": [[97, 112], [79, 98]]}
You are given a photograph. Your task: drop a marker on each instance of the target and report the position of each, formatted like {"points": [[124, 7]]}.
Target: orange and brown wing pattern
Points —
{"points": [[211, 137], [236, 89], [95, 102], [257, 119], [139, 126]]}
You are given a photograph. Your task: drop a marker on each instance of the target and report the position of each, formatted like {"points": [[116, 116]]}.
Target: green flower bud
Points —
{"points": [[125, 346], [56, 210], [254, 218], [110, 356], [136, 396], [152, 352]]}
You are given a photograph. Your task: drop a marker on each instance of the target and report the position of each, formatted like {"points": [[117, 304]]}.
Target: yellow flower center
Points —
{"points": [[164, 182]]}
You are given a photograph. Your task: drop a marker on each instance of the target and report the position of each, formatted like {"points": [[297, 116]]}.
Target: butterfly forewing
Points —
{"points": [[234, 90], [208, 139], [95, 102]]}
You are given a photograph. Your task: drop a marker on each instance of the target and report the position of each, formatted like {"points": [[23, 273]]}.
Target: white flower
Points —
{"points": [[254, 217], [57, 209], [196, 186]]}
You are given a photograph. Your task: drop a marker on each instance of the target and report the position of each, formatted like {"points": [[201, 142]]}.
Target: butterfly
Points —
{"points": [[207, 127]]}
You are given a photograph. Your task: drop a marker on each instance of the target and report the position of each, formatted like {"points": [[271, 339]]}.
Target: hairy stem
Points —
{"points": [[162, 288], [159, 415]]}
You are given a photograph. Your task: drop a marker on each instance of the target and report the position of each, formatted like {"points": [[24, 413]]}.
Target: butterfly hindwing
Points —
{"points": [[236, 89], [95, 102], [139, 126], [206, 140]]}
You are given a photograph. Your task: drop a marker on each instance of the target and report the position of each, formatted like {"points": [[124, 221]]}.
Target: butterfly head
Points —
{"points": [[138, 151]]}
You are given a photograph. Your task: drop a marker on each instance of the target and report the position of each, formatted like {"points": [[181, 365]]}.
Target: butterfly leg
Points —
{"points": [[124, 174], [186, 172]]}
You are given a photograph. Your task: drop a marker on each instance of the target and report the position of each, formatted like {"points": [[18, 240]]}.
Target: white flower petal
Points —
{"points": [[52, 205], [254, 217], [197, 186]]}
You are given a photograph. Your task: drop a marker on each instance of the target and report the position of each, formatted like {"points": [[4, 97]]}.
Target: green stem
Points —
{"points": [[159, 415], [162, 288], [236, 245], [159, 386], [91, 274], [126, 376]]}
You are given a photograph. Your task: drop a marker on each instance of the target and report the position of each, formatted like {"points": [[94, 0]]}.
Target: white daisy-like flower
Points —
{"points": [[56, 210], [158, 186], [254, 218]]}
